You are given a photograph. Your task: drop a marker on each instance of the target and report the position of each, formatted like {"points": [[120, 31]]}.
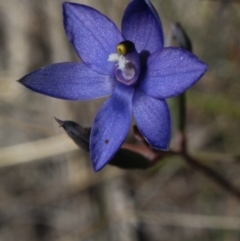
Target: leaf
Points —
{"points": [[124, 158], [77, 133]]}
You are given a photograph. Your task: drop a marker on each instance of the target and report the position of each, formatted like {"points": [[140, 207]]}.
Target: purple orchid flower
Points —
{"points": [[133, 67]]}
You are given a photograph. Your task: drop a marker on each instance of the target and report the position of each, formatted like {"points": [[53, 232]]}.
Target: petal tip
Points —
{"points": [[19, 81], [22, 81], [141, 21], [99, 158], [98, 166], [205, 67], [65, 4], [162, 147], [66, 7]]}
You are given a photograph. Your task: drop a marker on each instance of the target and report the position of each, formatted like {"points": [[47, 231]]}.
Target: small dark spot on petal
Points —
{"points": [[106, 141]]}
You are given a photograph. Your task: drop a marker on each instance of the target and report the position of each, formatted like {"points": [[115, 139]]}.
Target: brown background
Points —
{"points": [[48, 190]]}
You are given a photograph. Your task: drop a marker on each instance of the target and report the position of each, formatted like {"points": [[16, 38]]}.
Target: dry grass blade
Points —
{"points": [[186, 220], [36, 150]]}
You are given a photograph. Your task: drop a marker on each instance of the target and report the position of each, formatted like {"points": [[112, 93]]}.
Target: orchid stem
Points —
{"points": [[182, 122]]}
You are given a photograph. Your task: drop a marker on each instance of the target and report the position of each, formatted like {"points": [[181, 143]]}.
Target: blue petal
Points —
{"points": [[153, 119], [92, 34], [141, 25], [170, 72], [70, 81], [111, 126]]}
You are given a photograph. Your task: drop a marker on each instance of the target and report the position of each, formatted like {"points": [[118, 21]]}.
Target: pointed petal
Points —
{"points": [[153, 119], [70, 81], [141, 25], [92, 34], [170, 72], [111, 126]]}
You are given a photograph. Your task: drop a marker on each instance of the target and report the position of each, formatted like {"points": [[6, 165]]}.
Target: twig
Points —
{"points": [[215, 176], [155, 156]]}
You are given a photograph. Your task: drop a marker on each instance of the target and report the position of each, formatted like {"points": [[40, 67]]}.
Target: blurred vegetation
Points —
{"points": [[48, 190]]}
